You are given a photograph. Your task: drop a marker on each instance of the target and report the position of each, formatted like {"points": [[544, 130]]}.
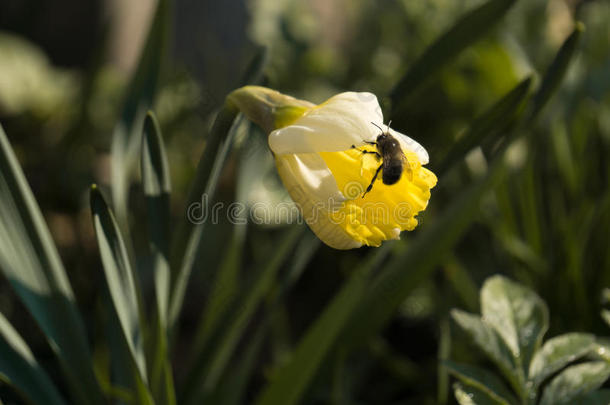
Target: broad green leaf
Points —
{"points": [[138, 100], [468, 29], [19, 368], [488, 340], [483, 380], [491, 123], [212, 363], [121, 280], [518, 315], [468, 395], [556, 71], [575, 381], [30, 262], [292, 379], [558, 352], [188, 238], [601, 348], [606, 316], [599, 397]]}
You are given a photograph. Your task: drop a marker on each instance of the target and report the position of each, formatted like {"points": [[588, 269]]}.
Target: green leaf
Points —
{"points": [[599, 397], [601, 348], [139, 99], [556, 71], [223, 292], [557, 352], [20, 369], [292, 379], [30, 262], [483, 380], [488, 340], [189, 236], [606, 316], [157, 187], [212, 363], [575, 381], [518, 315], [121, 280], [232, 389], [468, 29], [491, 123], [389, 289], [468, 395], [255, 69]]}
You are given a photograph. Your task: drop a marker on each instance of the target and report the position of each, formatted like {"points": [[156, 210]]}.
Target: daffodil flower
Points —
{"points": [[321, 157]]}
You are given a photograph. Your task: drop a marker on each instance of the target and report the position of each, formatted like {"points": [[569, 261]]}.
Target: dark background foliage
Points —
{"points": [[64, 67]]}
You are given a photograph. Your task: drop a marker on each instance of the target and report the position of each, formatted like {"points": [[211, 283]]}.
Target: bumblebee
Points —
{"points": [[393, 159]]}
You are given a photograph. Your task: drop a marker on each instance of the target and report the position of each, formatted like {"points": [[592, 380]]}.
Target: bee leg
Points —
{"points": [[370, 187], [364, 152]]}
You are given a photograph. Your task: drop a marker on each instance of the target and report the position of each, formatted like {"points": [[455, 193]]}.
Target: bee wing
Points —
{"points": [[408, 144], [406, 165]]}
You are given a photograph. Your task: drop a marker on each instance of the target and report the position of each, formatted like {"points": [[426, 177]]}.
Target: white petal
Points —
{"points": [[342, 121], [314, 189], [411, 145]]}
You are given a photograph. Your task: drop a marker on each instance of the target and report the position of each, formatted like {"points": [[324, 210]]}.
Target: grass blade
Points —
{"points": [[491, 123], [212, 362], [293, 378], [462, 34], [188, 239], [556, 71], [157, 188], [139, 99], [30, 262], [394, 284], [223, 122], [20, 369], [121, 280]]}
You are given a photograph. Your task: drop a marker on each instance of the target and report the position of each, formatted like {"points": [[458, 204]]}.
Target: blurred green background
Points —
{"points": [[64, 71]]}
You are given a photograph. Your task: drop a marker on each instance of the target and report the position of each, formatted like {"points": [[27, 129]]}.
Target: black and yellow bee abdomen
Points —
{"points": [[392, 169]]}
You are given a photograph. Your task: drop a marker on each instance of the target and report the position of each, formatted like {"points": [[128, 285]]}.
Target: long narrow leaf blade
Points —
{"points": [[556, 71], [491, 123], [462, 34], [294, 377], [188, 238], [19, 367], [30, 262], [120, 278], [139, 99], [405, 271], [213, 361], [157, 187]]}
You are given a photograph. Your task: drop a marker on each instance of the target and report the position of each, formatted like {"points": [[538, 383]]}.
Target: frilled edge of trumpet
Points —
{"points": [[328, 188]]}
